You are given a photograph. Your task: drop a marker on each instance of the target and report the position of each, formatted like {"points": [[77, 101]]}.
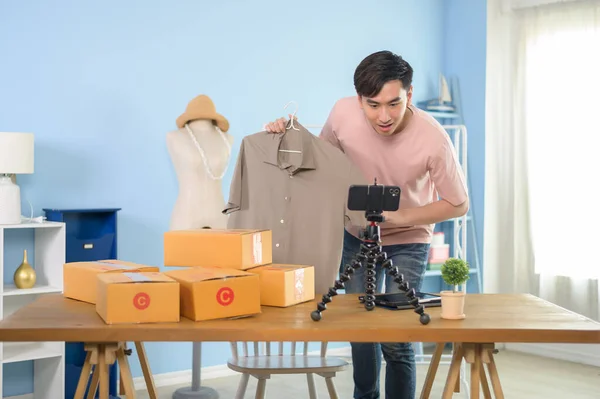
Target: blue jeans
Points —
{"points": [[401, 373]]}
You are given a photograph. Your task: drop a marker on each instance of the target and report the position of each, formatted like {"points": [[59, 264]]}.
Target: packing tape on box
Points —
{"points": [[257, 248], [117, 266], [137, 277], [299, 284]]}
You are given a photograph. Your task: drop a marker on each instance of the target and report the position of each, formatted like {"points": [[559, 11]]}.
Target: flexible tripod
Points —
{"points": [[371, 252]]}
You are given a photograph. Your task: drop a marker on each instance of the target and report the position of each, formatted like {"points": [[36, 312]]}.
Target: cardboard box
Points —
{"points": [[230, 249], [137, 298], [80, 278], [285, 285], [208, 293]]}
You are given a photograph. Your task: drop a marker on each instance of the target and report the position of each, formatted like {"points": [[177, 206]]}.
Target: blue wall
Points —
{"points": [[100, 84], [465, 24]]}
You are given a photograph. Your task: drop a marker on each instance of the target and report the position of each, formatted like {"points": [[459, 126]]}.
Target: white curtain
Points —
{"points": [[543, 152]]}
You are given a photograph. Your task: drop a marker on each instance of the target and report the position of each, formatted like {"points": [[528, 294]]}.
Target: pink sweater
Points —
{"points": [[421, 160]]}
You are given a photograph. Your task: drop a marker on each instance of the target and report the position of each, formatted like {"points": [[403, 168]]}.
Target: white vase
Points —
{"points": [[453, 305]]}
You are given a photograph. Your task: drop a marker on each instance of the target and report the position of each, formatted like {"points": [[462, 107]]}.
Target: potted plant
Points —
{"points": [[455, 272]]}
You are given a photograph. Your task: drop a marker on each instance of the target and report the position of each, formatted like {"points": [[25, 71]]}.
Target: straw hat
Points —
{"points": [[202, 107]]}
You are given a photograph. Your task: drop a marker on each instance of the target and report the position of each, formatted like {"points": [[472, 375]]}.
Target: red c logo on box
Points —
{"points": [[141, 301], [225, 296]]}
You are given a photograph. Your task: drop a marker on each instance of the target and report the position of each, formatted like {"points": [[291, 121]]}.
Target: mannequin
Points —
{"points": [[200, 199], [200, 150]]}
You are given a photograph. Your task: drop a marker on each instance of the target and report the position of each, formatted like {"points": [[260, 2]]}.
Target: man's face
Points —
{"points": [[387, 109]]}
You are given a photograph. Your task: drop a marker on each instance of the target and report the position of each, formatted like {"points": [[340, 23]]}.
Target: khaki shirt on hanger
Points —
{"points": [[301, 197]]}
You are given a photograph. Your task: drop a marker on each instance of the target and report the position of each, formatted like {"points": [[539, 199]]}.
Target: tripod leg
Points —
{"points": [[403, 285], [371, 275], [355, 264]]}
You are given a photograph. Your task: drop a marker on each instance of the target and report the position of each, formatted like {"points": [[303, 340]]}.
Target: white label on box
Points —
{"points": [[257, 248], [299, 284], [137, 277], [118, 266]]}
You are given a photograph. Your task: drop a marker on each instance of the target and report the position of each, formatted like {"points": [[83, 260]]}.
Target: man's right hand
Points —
{"points": [[277, 126]]}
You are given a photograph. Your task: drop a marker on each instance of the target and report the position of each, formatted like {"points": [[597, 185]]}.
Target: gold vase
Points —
{"points": [[25, 274]]}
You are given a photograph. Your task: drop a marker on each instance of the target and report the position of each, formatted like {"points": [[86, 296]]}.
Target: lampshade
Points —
{"points": [[16, 153]]}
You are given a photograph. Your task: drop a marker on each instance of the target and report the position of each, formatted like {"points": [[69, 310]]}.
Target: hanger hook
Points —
{"points": [[291, 123]]}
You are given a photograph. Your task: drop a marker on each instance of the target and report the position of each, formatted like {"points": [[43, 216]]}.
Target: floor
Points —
{"points": [[522, 376]]}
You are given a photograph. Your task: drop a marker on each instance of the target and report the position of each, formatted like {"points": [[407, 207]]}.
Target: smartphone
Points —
{"points": [[373, 198]]}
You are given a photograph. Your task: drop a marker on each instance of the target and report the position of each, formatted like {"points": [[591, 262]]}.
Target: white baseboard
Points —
{"points": [[207, 373], [577, 353]]}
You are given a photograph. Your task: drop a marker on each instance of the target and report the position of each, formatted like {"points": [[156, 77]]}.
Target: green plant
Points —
{"points": [[455, 272]]}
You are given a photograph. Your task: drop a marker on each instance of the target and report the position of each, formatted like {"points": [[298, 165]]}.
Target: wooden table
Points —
{"points": [[491, 318]]}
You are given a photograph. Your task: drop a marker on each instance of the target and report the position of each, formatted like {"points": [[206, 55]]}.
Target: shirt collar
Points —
{"points": [[307, 156]]}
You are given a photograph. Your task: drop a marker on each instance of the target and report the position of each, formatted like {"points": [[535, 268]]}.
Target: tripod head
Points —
{"points": [[375, 216]]}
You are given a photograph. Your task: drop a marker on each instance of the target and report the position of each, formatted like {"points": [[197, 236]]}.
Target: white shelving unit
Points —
{"points": [[49, 257]]}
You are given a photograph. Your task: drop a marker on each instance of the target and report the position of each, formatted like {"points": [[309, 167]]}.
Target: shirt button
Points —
{"points": [[277, 245], [291, 176], [286, 198], [281, 221]]}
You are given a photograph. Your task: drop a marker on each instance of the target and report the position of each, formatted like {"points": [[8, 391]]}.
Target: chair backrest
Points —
{"points": [[260, 348]]}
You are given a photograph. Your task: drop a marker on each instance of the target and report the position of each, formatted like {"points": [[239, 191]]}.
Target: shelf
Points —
{"points": [[32, 225], [23, 351], [443, 115], [11, 290], [46, 242], [439, 272]]}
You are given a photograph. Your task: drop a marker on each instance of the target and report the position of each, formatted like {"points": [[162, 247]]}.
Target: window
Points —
{"points": [[560, 50]]}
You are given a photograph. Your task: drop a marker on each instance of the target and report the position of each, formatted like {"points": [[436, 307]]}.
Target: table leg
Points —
{"points": [[94, 383], [101, 356], [494, 378], [121, 385], [478, 355], [453, 372], [103, 367], [84, 377], [141, 351], [484, 385], [433, 366], [460, 369], [126, 377], [474, 354]]}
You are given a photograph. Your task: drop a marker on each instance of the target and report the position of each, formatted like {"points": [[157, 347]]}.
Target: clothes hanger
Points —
{"points": [[291, 125]]}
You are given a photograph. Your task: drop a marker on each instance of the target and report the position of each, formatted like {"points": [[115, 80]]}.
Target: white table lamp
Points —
{"points": [[16, 157]]}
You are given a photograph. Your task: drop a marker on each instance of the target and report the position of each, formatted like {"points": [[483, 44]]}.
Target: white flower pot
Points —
{"points": [[453, 305]]}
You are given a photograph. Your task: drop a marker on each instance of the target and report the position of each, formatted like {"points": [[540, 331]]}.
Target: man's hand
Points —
{"points": [[277, 126]]}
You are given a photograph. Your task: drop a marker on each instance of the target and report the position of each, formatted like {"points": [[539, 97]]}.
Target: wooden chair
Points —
{"points": [[261, 364]]}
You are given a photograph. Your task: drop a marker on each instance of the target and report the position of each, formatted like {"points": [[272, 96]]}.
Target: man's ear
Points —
{"points": [[409, 94], [359, 98]]}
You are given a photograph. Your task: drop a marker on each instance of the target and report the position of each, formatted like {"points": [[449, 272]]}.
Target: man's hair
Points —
{"points": [[379, 68]]}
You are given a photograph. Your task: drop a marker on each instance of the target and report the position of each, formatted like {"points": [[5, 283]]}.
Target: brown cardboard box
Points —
{"points": [[285, 285], [230, 249], [216, 293], [137, 298], [79, 278]]}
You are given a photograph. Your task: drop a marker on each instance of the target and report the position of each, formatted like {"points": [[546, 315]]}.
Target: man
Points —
{"points": [[391, 140]]}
